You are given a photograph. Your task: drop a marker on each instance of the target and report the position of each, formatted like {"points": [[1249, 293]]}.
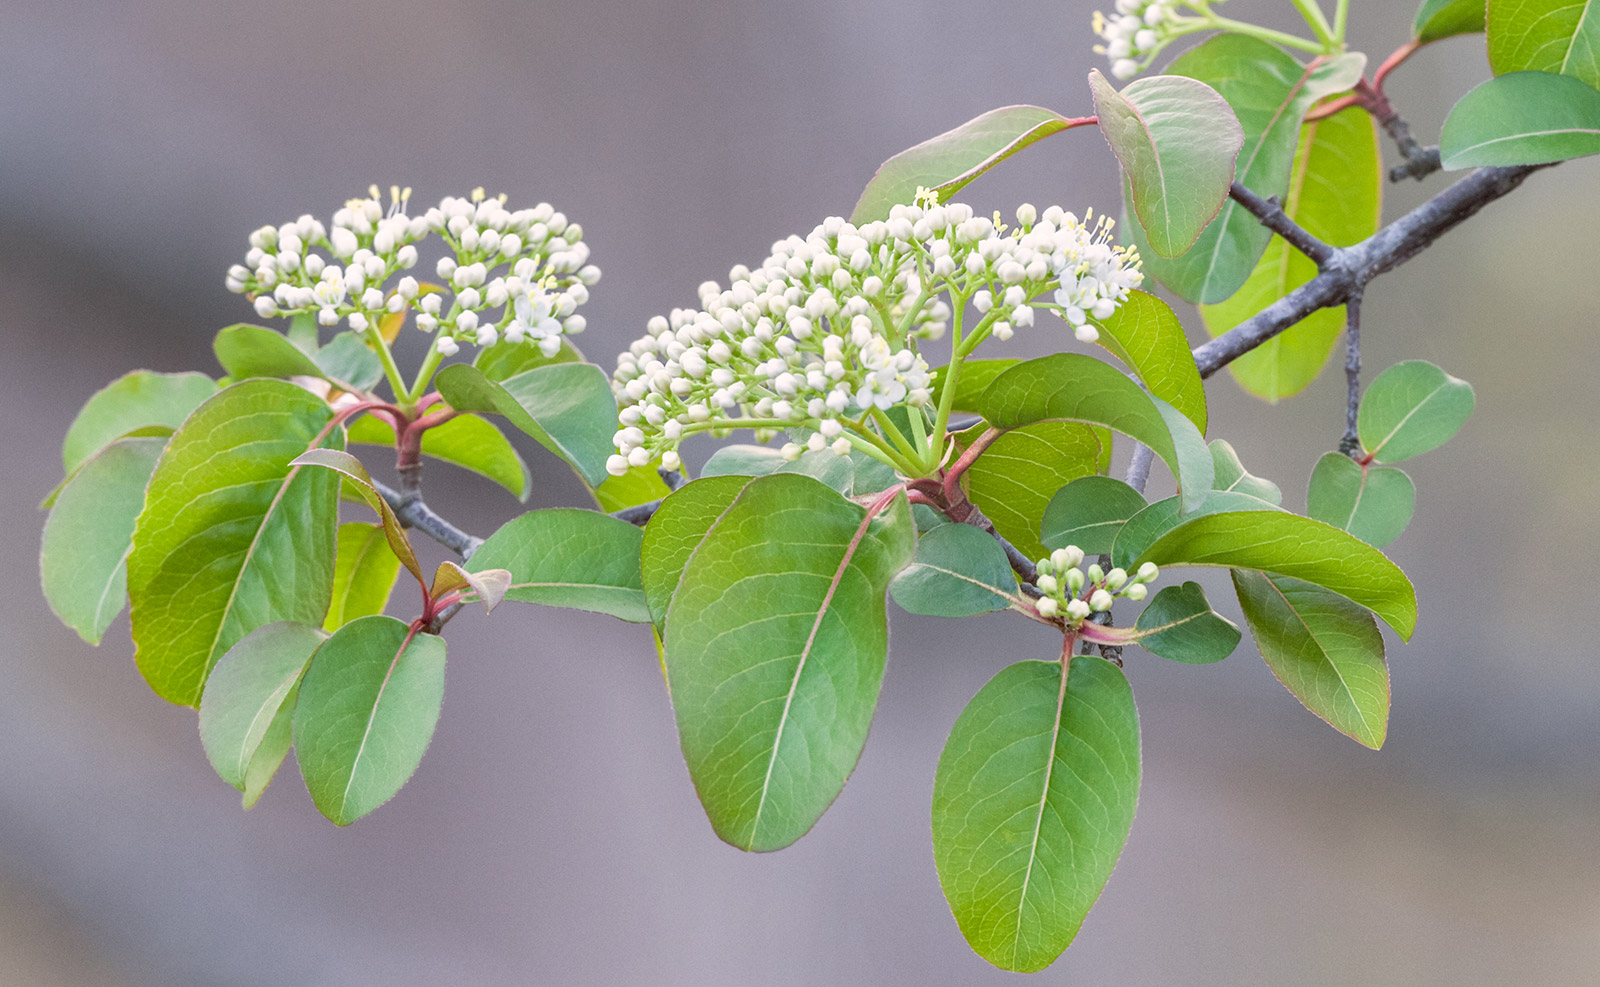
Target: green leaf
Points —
{"points": [[1145, 334], [774, 651], [1014, 479], [838, 472], [569, 558], [466, 441], [1232, 476], [129, 403], [958, 571], [256, 351], [1088, 513], [1522, 119], [303, 332], [348, 358], [974, 379], [1440, 19], [1326, 650], [364, 572], [1270, 93], [946, 163], [83, 562], [1144, 528], [248, 705], [350, 467], [1336, 194], [1286, 544], [1374, 503], [231, 536], [1180, 625], [565, 407], [509, 359], [1032, 803], [1177, 141], [676, 529], [640, 485], [1412, 408], [1561, 36], [367, 708], [1074, 387], [483, 585]]}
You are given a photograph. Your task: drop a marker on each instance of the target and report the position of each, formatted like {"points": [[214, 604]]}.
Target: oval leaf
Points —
{"points": [[1032, 804], [248, 704], [958, 571], [569, 558], [364, 572], [1141, 531], [1439, 19], [676, 529], [1177, 141], [1412, 408], [949, 161], [1270, 93], [1088, 513], [774, 650], [1522, 119], [131, 402], [231, 536], [1545, 36], [1374, 503], [1074, 387], [256, 351], [1180, 625], [565, 407], [1145, 334], [83, 561], [1286, 544], [1326, 650], [366, 712]]}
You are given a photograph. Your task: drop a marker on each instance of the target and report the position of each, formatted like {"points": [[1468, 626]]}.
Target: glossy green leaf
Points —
{"points": [[1270, 93], [1412, 408], [1144, 528], [1286, 544], [364, 572], [349, 359], [775, 644], [1074, 387], [351, 468], [958, 571], [466, 441], [231, 536], [565, 407], [1335, 194], [256, 351], [946, 163], [1177, 141], [1439, 19], [129, 403], [1179, 625], [248, 705], [83, 561], [1088, 513], [1374, 503], [974, 379], [838, 472], [1032, 804], [1231, 475], [640, 485], [1561, 36], [366, 712], [1145, 334], [569, 558], [1522, 119], [1326, 650], [481, 585], [1014, 479], [509, 359], [676, 529]]}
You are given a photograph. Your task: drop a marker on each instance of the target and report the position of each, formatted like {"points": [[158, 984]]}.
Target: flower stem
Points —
{"points": [[1341, 15], [1311, 10], [1268, 34], [390, 369]]}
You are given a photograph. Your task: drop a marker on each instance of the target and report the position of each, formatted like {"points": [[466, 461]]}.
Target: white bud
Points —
{"points": [[1048, 607], [1067, 558], [447, 346], [1148, 572], [1116, 579], [1137, 592], [358, 322], [617, 465], [1100, 601], [1048, 585], [1077, 609], [1086, 333], [266, 307]]}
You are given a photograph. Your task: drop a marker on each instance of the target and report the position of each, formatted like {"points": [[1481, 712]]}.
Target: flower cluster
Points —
{"points": [[1133, 36], [1075, 593], [823, 335], [531, 265]]}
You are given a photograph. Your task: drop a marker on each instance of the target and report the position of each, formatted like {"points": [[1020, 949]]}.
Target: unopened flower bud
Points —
{"points": [[1137, 592], [1077, 609], [1100, 600], [1115, 579], [1047, 585], [1047, 607]]}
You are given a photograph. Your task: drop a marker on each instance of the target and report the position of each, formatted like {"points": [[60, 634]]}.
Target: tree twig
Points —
{"points": [[414, 512], [1350, 442], [1271, 215]]}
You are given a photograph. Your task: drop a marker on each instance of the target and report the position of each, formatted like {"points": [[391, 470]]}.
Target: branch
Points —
{"points": [[414, 512], [1350, 443], [1270, 213]]}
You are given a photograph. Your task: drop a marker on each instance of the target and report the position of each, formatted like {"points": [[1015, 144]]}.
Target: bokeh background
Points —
{"points": [[551, 834]]}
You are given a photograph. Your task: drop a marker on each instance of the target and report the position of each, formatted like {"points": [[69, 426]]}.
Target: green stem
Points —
{"points": [[894, 434], [1268, 34], [1341, 15], [390, 369], [1311, 10], [425, 372]]}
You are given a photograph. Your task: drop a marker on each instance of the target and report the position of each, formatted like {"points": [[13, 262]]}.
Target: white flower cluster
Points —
{"points": [[531, 264], [824, 332], [1072, 593], [1133, 36]]}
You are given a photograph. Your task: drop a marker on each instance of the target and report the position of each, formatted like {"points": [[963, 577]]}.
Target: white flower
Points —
{"points": [[1137, 33]]}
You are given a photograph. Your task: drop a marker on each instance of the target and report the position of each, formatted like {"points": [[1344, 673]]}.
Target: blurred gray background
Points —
{"points": [[551, 834]]}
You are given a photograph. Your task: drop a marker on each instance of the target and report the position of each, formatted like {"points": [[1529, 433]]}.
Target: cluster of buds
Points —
{"points": [[824, 333], [1075, 593], [1135, 33], [531, 265]]}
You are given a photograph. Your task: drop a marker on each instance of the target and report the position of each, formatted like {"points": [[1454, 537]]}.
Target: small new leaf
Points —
{"points": [[1412, 408]]}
